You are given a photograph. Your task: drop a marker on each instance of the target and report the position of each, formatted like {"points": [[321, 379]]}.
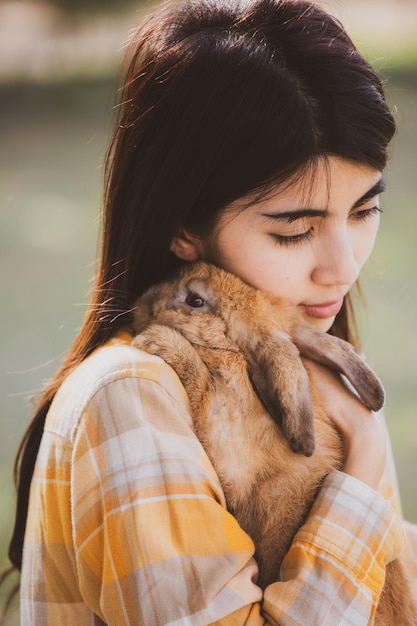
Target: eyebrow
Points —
{"points": [[292, 216], [378, 188]]}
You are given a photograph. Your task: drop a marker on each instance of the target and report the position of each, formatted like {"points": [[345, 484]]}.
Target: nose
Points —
{"points": [[336, 262]]}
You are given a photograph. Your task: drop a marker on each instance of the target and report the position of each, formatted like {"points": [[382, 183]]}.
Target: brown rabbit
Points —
{"points": [[237, 353]]}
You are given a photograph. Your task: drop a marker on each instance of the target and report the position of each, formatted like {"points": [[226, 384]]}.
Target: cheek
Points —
{"points": [[271, 270], [244, 248], [365, 240]]}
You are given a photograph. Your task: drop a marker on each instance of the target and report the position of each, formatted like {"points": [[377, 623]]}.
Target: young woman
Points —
{"points": [[252, 135]]}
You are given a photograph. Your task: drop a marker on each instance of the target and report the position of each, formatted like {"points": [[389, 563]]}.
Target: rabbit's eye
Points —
{"points": [[194, 300]]}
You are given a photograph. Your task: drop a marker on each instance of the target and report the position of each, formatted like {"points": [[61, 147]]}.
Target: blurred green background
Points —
{"points": [[58, 63]]}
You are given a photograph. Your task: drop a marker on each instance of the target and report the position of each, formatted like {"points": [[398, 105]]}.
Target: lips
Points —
{"points": [[324, 310]]}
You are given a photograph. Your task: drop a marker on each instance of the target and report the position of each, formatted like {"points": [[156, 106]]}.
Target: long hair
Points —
{"points": [[219, 99]]}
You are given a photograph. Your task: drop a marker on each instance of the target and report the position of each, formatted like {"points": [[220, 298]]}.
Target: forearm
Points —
{"points": [[190, 556], [169, 549], [336, 564]]}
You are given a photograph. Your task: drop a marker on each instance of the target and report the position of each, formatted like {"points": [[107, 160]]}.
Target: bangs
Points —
{"points": [[236, 114], [259, 128]]}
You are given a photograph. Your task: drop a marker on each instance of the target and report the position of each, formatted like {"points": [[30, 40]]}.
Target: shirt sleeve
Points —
{"points": [[335, 569], [155, 544]]}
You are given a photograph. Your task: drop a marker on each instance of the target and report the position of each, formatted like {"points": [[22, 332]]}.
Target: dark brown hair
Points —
{"points": [[219, 99]]}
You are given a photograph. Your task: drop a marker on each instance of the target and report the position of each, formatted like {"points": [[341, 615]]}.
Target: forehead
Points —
{"points": [[331, 184]]}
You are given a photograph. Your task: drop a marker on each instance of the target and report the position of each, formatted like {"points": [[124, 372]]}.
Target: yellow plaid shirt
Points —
{"points": [[128, 525]]}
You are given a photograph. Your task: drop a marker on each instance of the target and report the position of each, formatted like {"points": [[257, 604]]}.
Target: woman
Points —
{"points": [[254, 137]]}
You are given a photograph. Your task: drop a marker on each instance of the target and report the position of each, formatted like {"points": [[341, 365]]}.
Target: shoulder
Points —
{"points": [[118, 368]]}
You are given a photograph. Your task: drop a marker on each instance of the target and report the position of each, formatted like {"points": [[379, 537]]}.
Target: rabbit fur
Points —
{"points": [[238, 354]]}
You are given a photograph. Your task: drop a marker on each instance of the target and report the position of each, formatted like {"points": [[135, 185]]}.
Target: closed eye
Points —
{"points": [[291, 240], [365, 214]]}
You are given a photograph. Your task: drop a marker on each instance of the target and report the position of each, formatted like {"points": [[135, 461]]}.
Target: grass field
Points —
{"points": [[52, 140]]}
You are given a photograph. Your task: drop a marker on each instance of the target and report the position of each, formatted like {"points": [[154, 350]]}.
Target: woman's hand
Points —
{"points": [[363, 434]]}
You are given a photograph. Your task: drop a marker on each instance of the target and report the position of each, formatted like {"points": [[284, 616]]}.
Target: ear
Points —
{"points": [[186, 247]]}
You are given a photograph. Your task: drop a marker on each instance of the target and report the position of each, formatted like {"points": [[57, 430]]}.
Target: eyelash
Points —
{"points": [[291, 240], [367, 213]]}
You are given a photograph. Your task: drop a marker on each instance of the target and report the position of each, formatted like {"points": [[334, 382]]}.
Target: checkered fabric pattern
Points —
{"points": [[128, 525]]}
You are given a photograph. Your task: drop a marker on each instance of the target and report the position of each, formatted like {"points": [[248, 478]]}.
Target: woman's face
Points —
{"points": [[303, 245]]}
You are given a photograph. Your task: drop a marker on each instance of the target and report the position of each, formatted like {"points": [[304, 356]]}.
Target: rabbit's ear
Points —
{"points": [[281, 383], [340, 356]]}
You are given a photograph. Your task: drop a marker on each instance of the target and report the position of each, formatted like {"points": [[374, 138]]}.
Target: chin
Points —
{"points": [[322, 324]]}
